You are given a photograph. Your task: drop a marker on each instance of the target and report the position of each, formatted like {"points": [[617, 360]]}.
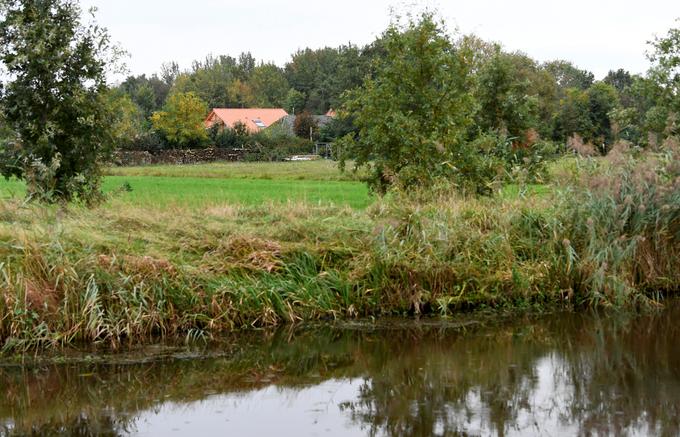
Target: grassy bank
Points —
{"points": [[602, 235]]}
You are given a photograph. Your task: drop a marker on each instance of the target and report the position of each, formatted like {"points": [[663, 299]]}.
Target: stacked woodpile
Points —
{"points": [[125, 158]]}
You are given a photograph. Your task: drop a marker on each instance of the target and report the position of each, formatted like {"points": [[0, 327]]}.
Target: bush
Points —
{"points": [[265, 147], [229, 138], [148, 141]]}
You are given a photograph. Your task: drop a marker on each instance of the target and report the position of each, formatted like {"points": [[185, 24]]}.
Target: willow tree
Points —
{"points": [[53, 98]]}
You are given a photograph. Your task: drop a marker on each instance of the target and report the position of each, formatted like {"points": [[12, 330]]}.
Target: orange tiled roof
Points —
{"points": [[255, 119]]}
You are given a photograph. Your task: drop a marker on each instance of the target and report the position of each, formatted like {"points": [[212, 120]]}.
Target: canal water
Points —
{"points": [[558, 374]]}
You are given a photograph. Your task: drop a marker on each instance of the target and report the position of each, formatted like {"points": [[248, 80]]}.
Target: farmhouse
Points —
{"points": [[254, 119]]}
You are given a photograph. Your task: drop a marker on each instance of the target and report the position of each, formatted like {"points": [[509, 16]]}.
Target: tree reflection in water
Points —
{"points": [[565, 373], [572, 374]]}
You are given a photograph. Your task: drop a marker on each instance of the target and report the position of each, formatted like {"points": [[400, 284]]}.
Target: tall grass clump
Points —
{"points": [[621, 223]]}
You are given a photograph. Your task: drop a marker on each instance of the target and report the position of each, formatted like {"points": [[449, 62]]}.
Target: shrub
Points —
{"points": [[148, 141], [229, 138], [265, 147]]}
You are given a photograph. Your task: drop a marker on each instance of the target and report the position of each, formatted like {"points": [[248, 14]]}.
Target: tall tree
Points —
{"points": [[211, 80], [602, 100], [413, 114], [53, 100], [269, 86], [666, 73], [619, 79], [504, 94], [568, 75], [573, 116], [181, 121]]}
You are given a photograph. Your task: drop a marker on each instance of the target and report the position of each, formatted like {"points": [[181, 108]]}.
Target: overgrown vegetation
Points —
{"points": [[607, 235]]}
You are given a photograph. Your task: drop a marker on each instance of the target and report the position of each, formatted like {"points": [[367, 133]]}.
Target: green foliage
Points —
{"points": [[295, 102], [666, 73], [229, 138], [54, 99], [504, 94], [567, 75], [269, 85], [413, 114], [269, 146], [147, 93], [321, 76], [272, 144], [588, 114], [337, 127], [181, 121], [220, 82], [572, 116], [619, 79], [602, 99], [128, 122]]}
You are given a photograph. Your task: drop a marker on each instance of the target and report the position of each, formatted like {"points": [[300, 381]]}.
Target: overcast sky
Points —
{"points": [[597, 35]]}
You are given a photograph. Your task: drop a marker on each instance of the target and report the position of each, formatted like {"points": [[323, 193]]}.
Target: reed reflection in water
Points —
{"points": [[558, 374]]}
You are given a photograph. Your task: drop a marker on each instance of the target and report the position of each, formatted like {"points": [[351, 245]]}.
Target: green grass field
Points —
{"points": [[248, 184], [194, 186], [322, 170]]}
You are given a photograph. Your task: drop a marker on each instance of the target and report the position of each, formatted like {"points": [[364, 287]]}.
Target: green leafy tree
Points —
{"points": [[504, 95], [666, 73], [148, 93], [568, 75], [269, 86], [619, 79], [128, 120], [323, 75], [413, 114], [295, 102], [53, 100], [588, 114], [573, 116], [181, 121], [211, 80], [602, 100]]}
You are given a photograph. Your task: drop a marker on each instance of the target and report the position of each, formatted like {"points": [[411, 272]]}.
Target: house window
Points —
{"points": [[259, 123]]}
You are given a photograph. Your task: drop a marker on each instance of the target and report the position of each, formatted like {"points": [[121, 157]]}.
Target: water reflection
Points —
{"points": [[568, 374]]}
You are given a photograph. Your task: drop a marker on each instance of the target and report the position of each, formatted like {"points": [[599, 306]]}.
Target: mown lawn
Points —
{"points": [[195, 186]]}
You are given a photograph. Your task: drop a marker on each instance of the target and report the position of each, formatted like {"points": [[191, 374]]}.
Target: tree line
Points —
{"points": [[416, 98], [512, 92]]}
